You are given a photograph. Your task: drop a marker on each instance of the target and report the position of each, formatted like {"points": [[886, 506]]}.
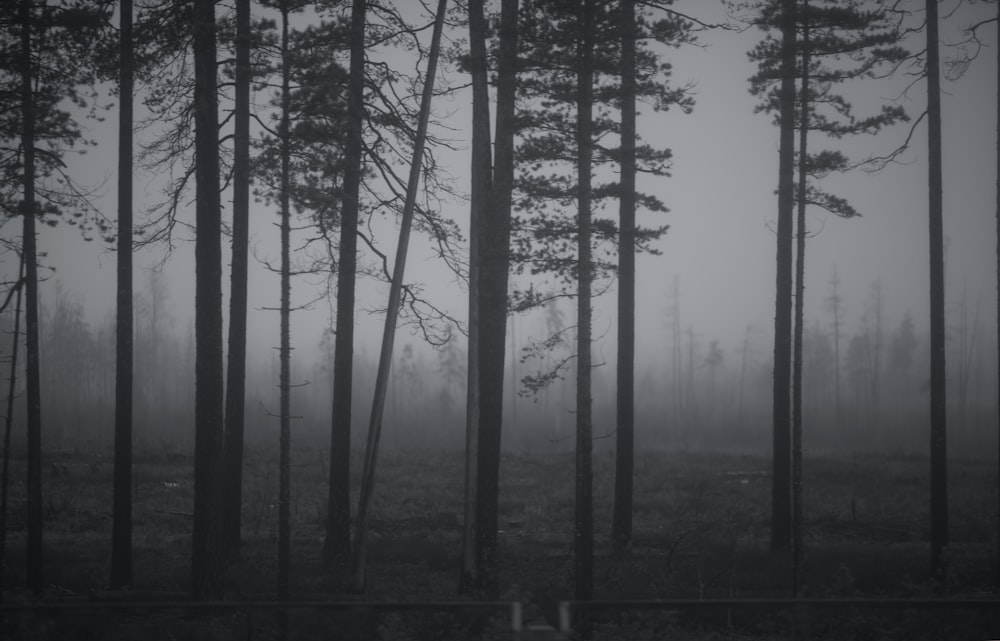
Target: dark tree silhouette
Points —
{"points": [[237, 354], [338, 527], [8, 419], [494, 253], [938, 400], [208, 550], [33, 553], [121, 531], [621, 526], [583, 531]]}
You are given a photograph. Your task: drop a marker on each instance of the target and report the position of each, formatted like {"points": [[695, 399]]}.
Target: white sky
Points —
{"points": [[720, 244]]}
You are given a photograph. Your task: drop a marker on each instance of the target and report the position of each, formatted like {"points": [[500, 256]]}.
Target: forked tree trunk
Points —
{"points": [[121, 529]]}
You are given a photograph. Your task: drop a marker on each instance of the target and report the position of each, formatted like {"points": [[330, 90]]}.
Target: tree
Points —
{"points": [[8, 421], [359, 551], [938, 400], [34, 414], [337, 542], [208, 553], [237, 354], [494, 249], [621, 526], [121, 531]]}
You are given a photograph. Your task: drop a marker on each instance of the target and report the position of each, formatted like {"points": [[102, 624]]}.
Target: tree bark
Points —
{"points": [[781, 494], [336, 547], [939, 413], [207, 567], [621, 528], [33, 554], [583, 558], [237, 354], [121, 529]]}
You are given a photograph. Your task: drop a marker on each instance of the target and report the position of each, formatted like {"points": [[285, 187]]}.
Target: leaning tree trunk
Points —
{"points": [[939, 414], [621, 527], [781, 490], [207, 568], [33, 380], [800, 273], [336, 547], [583, 557], [359, 567], [236, 367], [121, 529]]}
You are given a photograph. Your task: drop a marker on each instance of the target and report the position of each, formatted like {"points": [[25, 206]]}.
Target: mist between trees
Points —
{"points": [[693, 391]]}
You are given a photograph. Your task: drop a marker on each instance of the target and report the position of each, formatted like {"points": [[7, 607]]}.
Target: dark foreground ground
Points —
{"points": [[701, 531]]}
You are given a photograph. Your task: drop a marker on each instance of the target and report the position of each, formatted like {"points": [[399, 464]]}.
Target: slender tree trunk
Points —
{"points": [[998, 293], [781, 491], [336, 548], [494, 250], [33, 379], [800, 272], [121, 530], [480, 197], [8, 424], [583, 558], [237, 354], [207, 567], [939, 413], [621, 527], [285, 348], [359, 558]]}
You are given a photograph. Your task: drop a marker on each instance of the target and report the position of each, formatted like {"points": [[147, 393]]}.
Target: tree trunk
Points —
{"points": [[493, 276], [8, 424], [207, 567], [583, 557], [33, 380], [336, 547], [998, 289], [121, 529], [621, 527], [285, 348], [359, 552], [781, 491], [237, 355], [480, 197], [939, 413], [800, 272]]}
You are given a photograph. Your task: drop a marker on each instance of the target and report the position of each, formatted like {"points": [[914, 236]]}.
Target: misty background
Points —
{"points": [[705, 307]]}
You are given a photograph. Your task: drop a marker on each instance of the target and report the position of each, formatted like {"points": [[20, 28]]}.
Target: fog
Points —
{"points": [[705, 308]]}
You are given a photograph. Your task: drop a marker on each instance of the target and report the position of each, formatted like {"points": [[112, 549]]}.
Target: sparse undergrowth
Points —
{"points": [[701, 531]]}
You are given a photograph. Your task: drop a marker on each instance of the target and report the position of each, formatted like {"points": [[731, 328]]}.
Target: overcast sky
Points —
{"points": [[720, 246]]}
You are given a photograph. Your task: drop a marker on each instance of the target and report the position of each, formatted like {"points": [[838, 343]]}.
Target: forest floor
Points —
{"points": [[702, 524]]}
